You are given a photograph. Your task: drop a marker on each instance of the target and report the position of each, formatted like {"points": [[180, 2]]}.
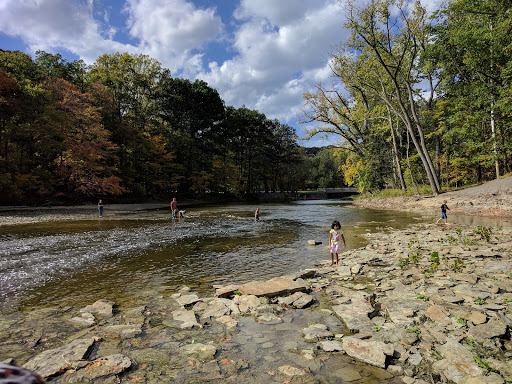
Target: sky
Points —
{"points": [[263, 54]]}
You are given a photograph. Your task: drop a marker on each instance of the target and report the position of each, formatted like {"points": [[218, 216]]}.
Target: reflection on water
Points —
{"points": [[68, 262]]}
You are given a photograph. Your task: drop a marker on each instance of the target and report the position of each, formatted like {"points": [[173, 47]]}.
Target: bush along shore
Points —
{"points": [[428, 304]]}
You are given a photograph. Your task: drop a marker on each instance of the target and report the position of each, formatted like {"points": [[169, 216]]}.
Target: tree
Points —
{"points": [[395, 39]]}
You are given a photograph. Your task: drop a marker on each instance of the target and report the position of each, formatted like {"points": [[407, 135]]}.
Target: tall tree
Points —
{"points": [[393, 32]]}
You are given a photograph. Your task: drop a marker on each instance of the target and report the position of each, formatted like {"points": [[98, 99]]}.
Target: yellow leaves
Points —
{"points": [[351, 169]]}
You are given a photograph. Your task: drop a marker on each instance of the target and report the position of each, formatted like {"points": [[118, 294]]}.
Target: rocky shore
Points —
{"points": [[429, 304], [490, 199]]}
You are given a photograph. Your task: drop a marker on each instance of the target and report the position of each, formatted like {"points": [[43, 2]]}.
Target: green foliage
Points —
{"points": [[434, 260], [422, 297], [457, 265], [470, 341], [415, 330], [479, 301], [377, 328], [483, 364], [462, 322], [484, 232]]}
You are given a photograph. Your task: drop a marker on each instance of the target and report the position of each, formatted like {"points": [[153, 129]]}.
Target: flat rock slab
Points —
{"points": [[187, 300], [316, 332], [202, 352], [278, 286], [186, 319], [100, 307], [369, 351], [493, 328], [297, 300], [51, 362], [104, 366], [124, 330], [355, 315], [226, 291]]}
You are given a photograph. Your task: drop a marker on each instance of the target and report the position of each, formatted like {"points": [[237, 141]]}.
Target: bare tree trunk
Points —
{"points": [[409, 165], [395, 152]]}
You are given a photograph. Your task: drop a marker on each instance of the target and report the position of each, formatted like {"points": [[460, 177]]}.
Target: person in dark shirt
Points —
{"points": [[100, 208], [444, 208]]}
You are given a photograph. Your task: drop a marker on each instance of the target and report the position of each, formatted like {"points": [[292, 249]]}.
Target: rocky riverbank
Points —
{"points": [[490, 199], [428, 304]]}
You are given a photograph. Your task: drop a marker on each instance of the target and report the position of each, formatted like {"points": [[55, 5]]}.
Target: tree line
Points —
{"points": [[420, 100], [125, 128]]}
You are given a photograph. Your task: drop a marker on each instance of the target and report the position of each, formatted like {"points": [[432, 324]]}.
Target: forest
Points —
{"points": [[419, 104], [124, 128]]}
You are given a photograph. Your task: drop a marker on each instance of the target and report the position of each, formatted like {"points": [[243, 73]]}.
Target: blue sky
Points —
{"points": [[263, 54]]}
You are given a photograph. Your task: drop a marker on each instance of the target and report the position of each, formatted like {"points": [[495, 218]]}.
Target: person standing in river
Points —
{"points": [[100, 208], [444, 208], [174, 208], [257, 214], [334, 240]]}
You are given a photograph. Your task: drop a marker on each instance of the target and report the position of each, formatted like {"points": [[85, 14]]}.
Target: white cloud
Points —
{"points": [[170, 30], [58, 24], [282, 51]]}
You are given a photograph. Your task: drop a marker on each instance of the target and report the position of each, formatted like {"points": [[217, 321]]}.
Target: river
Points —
{"points": [[75, 261]]}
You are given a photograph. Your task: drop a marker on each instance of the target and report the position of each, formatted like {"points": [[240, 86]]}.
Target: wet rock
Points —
{"points": [[278, 286], [186, 319], [331, 346], [103, 366], [297, 300], [248, 303], [227, 321], [86, 319], [269, 318], [100, 307], [124, 330], [185, 300], [216, 308], [370, 351], [53, 361], [291, 371], [226, 291], [316, 332], [202, 352], [199, 373]]}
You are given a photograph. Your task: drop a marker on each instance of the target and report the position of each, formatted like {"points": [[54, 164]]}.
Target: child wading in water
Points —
{"points": [[334, 240], [444, 208]]}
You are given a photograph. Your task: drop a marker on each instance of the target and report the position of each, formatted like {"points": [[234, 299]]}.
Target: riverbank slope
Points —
{"points": [[490, 199]]}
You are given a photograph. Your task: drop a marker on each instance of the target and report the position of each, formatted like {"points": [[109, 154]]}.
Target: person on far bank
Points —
{"points": [[174, 208], [444, 208], [100, 208], [257, 214], [334, 240]]}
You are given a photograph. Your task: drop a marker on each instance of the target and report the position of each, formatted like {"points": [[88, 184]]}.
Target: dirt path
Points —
{"points": [[490, 199]]}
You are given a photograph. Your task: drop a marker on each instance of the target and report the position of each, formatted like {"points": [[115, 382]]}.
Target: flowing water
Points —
{"points": [[137, 258], [68, 262]]}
